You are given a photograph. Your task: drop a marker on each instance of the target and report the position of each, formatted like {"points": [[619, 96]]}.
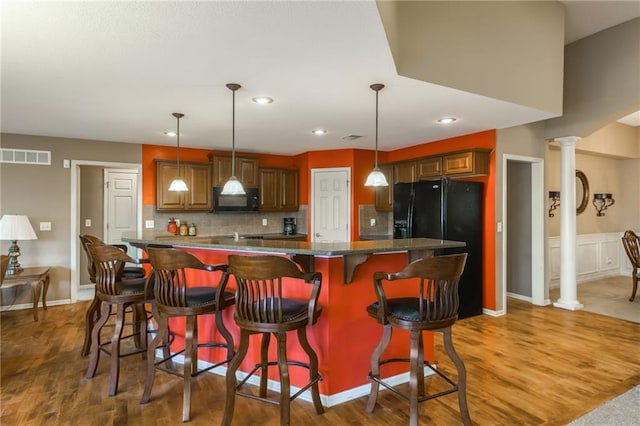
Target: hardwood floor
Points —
{"points": [[534, 366]]}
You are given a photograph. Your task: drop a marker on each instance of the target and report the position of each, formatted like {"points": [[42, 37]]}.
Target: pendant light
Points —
{"points": [[376, 177], [178, 185], [233, 185]]}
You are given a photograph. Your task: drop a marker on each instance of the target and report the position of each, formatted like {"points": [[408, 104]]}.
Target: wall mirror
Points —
{"points": [[582, 192]]}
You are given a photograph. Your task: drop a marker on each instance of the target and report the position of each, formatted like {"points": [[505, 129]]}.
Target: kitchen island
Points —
{"points": [[345, 335]]}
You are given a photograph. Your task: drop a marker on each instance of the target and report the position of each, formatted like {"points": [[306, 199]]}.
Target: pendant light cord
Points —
{"points": [[233, 135], [178, 142], [376, 157]]}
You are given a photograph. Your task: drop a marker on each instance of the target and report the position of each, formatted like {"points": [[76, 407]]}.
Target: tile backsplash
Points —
{"points": [[228, 223], [383, 221]]}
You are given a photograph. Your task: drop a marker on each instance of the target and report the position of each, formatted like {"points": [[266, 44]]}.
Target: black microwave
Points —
{"points": [[248, 202]]}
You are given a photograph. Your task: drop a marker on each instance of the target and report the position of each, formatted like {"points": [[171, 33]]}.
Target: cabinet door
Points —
{"points": [[269, 189], [384, 194], [289, 190], [246, 170], [198, 178], [167, 171], [429, 167], [405, 172], [472, 163]]}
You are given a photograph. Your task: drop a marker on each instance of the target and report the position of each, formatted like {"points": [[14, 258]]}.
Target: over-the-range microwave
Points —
{"points": [[248, 202]]}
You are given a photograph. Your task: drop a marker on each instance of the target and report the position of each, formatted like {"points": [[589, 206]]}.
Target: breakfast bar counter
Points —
{"points": [[344, 336]]}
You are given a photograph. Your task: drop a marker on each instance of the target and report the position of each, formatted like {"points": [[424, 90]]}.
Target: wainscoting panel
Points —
{"points": [[597, 256]]}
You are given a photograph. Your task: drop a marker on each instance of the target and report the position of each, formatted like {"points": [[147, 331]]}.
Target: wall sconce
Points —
{"points": [[602, 201], [554, 196]]}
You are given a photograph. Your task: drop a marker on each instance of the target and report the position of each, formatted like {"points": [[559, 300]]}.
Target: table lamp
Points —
{"points": [[15, 227]]}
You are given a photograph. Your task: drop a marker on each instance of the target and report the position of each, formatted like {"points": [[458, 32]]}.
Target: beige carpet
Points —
{"points": [[608, 296]]}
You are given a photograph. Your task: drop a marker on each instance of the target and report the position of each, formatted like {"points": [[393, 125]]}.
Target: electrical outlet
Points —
{"points": [[264, 221], [149, 224], [45, 226], [87, 223], [499, 227], [373, 222]]}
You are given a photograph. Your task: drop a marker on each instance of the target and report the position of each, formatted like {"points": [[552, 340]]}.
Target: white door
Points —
{"points": [[331, 198], [120, 204]]}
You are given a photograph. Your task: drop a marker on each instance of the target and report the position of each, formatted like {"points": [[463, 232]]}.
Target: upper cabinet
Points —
{"points": [[468, 163], [198, 179], [384, 194], [404, 172], [279, 189], [246, 170], [429, 167]]}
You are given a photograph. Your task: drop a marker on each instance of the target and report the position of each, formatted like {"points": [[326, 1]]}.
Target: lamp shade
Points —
{"points": [[376, 178], [16, 227], [233, 187], [178, 185]]}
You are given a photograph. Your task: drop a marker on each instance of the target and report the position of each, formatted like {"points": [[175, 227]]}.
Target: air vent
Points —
{"points": [[25, 156], [351, 137]]}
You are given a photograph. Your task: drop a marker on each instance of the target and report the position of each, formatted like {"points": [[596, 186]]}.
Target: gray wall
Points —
{"points": [[43, 193], [519, 228]]}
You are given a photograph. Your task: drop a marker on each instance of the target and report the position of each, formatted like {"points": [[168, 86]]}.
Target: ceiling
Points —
{"points": [[115, 71]]}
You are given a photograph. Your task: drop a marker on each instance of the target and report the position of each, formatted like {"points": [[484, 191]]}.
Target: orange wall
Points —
{"points": [[361, 163]]}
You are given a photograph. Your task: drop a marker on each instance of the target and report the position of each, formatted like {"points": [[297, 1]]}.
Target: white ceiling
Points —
{"points": [[115, 71]]}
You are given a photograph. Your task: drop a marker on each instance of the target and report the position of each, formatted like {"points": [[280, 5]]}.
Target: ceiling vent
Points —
{"points": [[25, 156], [351, 137]]}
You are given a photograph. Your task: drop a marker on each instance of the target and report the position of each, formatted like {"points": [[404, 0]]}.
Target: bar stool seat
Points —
{"points": [[262, 308], [173, 298], [432, 284]]}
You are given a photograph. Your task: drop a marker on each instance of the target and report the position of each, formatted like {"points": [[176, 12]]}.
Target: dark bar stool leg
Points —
{"points": [[115, 350], [232, 382], [414, 375], [264, 359], [462, 375], [163, 329], [190, 362], [95, 340], [375, 366], [284, 378], [313, 369], [90, 318]]}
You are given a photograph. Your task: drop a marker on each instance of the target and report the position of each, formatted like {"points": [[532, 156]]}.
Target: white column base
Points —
{"points": [[571, 305]]}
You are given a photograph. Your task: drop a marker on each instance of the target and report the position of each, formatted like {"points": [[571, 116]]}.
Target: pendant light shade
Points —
{"points": [[233, 185], [376, 177], [178, 185]]}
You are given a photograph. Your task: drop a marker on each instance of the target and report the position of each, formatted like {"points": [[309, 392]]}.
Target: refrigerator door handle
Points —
{"points": [[410, 215]]}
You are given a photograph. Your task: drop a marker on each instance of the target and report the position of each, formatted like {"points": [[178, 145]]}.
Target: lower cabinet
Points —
{"points": [[279, 189]]}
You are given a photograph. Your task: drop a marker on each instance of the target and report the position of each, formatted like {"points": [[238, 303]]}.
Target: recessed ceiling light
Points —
{"points": [[319, 131], [447, 120], [262, 100], [170, 133]]}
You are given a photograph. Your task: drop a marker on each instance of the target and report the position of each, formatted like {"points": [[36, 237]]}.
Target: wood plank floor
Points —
{"points": [[534, 366]]}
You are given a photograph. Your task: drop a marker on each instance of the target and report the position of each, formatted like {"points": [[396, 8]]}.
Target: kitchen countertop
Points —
{"points": [[282, 245]]}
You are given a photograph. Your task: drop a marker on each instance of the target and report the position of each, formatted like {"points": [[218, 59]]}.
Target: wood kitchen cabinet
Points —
{"points": [[404, 172], [468, 163], [384, 194], [429, 167], [279, 189], [246, 170], [198, 179]]}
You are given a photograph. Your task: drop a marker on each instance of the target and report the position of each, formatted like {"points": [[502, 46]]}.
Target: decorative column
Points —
{"points": [[568, 271]]}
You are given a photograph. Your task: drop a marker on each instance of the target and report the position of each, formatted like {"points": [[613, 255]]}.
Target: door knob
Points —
{"points": [[317, 234]]}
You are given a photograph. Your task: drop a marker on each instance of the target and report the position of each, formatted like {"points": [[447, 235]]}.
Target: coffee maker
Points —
{"points": [[289, 225]]}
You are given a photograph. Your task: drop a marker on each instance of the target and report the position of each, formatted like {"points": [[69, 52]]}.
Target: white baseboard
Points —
{"points": [[327, 400], [494, 313], [519, 297], [30, 305]]}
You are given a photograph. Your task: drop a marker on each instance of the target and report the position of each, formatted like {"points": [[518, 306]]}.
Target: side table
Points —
{"points": [[38, 278]]}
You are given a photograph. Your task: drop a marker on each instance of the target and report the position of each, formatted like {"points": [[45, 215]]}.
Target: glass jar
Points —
{"points": [[184, 229], [193, 231], [172, 227]]}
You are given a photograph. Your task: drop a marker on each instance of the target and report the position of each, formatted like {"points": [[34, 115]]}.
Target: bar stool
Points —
{"points": [[93, 311], [432, 306], [261, 308], [173, 298], [112, 290]]}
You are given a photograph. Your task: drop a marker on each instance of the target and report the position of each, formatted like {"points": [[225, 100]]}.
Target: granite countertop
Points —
{"points": [[376, 237], [292, 247]]}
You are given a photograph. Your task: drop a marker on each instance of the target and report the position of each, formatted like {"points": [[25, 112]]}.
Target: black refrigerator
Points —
{"points": [[446, 209]]}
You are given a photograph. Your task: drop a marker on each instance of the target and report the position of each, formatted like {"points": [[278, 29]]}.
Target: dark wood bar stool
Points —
{"points": [[93, 312], [174, 298], [431, 305], [261, 308], [113, 291]]}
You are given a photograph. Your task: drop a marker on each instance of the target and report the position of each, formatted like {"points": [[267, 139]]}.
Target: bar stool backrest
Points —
{"points": [[261, 281], [436, 299], [109, 262]]}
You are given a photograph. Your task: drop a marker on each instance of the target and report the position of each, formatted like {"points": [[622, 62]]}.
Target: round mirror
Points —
{"points": [[582, 192]]}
